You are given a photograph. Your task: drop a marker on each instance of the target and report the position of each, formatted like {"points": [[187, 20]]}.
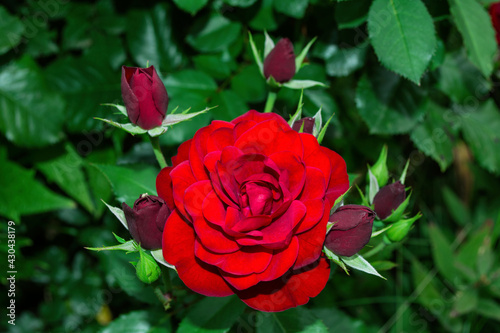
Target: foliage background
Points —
{"points": [[419, 76]]}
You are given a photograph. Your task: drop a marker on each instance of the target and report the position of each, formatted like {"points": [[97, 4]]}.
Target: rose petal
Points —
{"points": [[178, 250], [315, 210], [339, 180], [280, 263], [213, 237], [315, 185], [182, 153], [295, 169], [194, 197], [311, 241], [287, 292], [245, 261], [164, 186]]}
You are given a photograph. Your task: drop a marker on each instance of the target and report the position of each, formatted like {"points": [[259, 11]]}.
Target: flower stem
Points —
{"points": [[155, 142], [271, 98]]}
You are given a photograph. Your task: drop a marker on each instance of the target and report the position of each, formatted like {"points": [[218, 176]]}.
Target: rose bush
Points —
{"points": [[252, 200]]}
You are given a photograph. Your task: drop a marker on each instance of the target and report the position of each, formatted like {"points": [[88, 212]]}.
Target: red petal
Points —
{"points": [[242, 262], [315, 210], [220, 138], [194, 197], [182, 177], [280, 263], [182, 153], [311, 242], [259, 117], [295, 168], [266, 138], [213, 209], [282, 294], [320, 160], [178, 250], [164, 186], [339, 180], [213, 238], [315, 184]]}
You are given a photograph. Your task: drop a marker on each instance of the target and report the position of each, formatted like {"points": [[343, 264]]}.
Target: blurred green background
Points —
{"points": [[60, 60]]}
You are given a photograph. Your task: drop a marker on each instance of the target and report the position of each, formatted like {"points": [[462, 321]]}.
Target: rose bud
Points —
{"points": [[147, 220], [495, 19], [388, 199], [280, 62], [308, 125], [145, 96], [351, 231]]}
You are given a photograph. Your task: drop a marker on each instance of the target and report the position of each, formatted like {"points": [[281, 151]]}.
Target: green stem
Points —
{"points": [[155, 142], [271, 98]]}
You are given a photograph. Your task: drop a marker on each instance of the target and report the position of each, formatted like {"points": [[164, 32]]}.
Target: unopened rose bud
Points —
{"points": [[351, 231], [280, 62], [147, 220], [145, 96], [146, 268], [308, 125], [388, 199]]}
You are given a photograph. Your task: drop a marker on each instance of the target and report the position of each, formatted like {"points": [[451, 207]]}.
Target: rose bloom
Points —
{"points": [[252, 200]]}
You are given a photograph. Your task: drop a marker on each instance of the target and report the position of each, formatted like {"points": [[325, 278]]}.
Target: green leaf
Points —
{"points": [[434, 136], [456, 208], [84, 85], [240, 3], [217, 34], [349, 15], [465, 301], [358, 262], [190, 80], [297, 319], [217, 66], [341, 62], [212, 314], [133, 322], [442, 253], [150, 38], [488, 308], [130, 182], [460, 80], [474, 24], [129, 246], [191, 6], [264, 20], [403, 36], [388, 104], [229, 106], [21, 194], [67, 172], [12, 29], [481, 130], [31, 115], [249, 85], [292, 8]]}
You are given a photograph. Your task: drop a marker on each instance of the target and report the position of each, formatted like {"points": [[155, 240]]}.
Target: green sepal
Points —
{"points": [[298, 113], [359, 263], [321, 134], [120, 215], [381, 231], [120, 108], [373, 187], [379, 169], [268, 44], [303, 84], [339, 201], [398, 212], [405, 170], [130, 246], [300, 58], [119, 239], [158, 256], [336, 259], [401, 228], [364, 201], [255, 54], [146, 268]]}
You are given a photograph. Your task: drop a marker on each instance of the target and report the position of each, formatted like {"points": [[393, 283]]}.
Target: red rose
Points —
{"points": [[252, 200]]}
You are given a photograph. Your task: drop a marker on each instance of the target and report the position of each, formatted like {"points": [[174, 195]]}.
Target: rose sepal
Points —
{"points": [[400, 229], [361, 264], [397, 214], [129, 246], [147, 269], [335, 258], [379, 169], [169, 120]]}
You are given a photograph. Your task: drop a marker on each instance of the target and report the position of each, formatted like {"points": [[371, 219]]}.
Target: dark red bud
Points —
{"points": [[147, 220], [145, 96], [308, 125], [280, 62], [495, 19], [352, 230], [388, 198]]}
